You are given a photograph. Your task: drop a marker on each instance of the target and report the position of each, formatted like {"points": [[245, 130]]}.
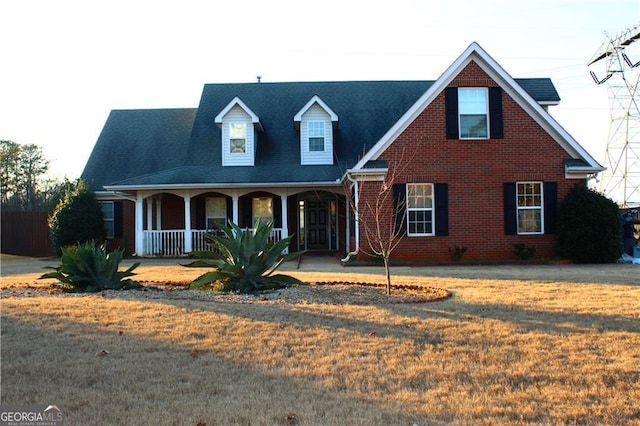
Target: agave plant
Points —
{"points": [[89, 268], [245, 260]]}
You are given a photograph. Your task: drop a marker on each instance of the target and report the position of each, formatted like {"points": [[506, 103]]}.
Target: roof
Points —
{"points": [[172, 147], [135, 143]]}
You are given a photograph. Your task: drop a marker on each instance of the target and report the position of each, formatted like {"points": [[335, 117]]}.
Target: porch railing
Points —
{"points": [[170, 242], [164, 242]]}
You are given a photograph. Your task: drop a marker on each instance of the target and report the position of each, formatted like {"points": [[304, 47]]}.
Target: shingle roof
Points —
{"points": [[182, 146], [135, 143]]}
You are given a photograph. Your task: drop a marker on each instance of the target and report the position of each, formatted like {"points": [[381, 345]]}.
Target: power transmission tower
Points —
{"points": [[619, 69]]}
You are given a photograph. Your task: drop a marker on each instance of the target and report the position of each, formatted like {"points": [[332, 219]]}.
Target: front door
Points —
{"points": [[317, 225]]}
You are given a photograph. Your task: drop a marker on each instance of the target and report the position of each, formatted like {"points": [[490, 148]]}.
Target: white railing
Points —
{"points": [[171, 242], [164, 243]]}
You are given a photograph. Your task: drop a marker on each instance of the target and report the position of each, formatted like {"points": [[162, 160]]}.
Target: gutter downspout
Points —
{"points": [[354, 184]]}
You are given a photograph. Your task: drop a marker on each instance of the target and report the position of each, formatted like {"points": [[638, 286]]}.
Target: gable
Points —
{"points": [[475, 58]]}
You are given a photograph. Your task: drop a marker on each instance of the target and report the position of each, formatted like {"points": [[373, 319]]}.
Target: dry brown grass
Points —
{"points": [[501, 351]]}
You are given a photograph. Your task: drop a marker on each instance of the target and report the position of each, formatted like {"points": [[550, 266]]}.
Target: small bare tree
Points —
{"points": [[380, 213]]}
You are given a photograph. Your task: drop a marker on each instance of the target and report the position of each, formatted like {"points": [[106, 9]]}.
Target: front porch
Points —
{"points": [[175, 223]]}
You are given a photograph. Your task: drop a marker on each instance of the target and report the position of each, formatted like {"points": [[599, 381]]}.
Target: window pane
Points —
{"points": [[530, 194], [472, 100], [529, 220], [263, 209], [109, 226], [473, 126], [316, 129], [419, 196], [316, 144], [237, 130], [420, 222], [107, 210]]}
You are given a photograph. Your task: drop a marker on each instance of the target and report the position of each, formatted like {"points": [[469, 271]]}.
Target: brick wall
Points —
{"points": [[475, 171]]}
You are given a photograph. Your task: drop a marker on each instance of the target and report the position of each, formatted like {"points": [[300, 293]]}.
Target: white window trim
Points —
{"points": [[540, 208], [431, 209], [486, 90]]}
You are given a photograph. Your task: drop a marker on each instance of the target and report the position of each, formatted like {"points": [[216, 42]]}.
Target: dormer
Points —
{"points": [[239, 126], [316, 122]]}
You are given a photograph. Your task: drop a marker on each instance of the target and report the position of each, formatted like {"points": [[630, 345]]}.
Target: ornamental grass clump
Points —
{"points": [[245, 261], [89, 268]]}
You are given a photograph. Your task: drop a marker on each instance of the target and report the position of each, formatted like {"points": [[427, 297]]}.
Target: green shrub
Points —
{"points": [[589, 227], [89, 268], [523, 252], [456, 252], [245, 261], [77, 219]]}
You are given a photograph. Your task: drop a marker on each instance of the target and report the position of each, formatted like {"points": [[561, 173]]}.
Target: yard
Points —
{"points": [[514, 345]]}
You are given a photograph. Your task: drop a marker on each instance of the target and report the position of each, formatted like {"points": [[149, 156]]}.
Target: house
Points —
{"points": [[478, 162]]}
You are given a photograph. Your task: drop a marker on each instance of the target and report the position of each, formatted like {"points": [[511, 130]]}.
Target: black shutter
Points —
{"points": [[400, 207], [229, 211], [550, 207], [510, 215], [201, 213], [451, 112], [495, 113], [277, 212], [117, 219], [441, 193], [246, 220]]}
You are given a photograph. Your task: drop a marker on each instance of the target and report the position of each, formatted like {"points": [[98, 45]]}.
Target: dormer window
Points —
{"points": [[316, 136], [316, 122], [239, 126], [237, 138]]}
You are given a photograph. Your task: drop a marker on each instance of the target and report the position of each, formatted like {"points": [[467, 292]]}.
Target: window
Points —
{"points": [[108, 213], [420, 209], [529, 207], [263, 209], [316, 136], [473, 108], [238, 138], [216, 210]]}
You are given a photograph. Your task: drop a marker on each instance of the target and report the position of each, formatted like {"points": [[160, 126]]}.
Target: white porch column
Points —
{"points": [[140, 226], [149, 213], [285, 223], [159, 212], [235, 199], [188, 238]]}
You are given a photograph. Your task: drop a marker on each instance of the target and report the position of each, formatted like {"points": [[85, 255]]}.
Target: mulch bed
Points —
{"points": [[337, 293]]}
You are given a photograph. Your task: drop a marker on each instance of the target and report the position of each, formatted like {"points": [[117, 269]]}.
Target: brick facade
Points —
{"points": [[475, 171]]}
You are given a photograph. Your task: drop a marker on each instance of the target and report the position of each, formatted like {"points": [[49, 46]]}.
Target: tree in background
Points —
{"points": [[77, 218], [22, 182], [589, 227]]}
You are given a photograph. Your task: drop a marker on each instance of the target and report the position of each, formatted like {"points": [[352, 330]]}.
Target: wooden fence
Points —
{"points": [[25, 234]]}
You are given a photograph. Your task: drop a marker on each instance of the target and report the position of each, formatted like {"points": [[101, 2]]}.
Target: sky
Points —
{"points": [[65, 64]]}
